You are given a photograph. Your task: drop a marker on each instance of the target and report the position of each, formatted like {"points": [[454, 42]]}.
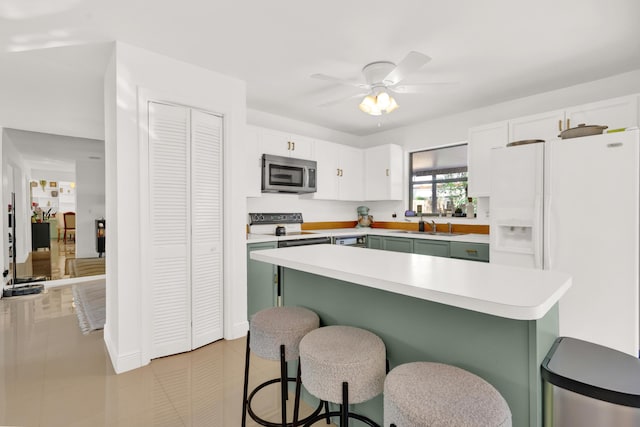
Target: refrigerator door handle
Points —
{"points": [[547, 233], [536, 235]]}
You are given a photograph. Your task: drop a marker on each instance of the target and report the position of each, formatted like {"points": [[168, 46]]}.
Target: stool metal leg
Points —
{"points": [[326, 410], [344, 408], [246, 384], [283, 386], [296, 405]]}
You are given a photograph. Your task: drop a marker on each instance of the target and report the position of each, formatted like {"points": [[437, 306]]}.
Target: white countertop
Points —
{"points": [[510, 292], [471, 238]]}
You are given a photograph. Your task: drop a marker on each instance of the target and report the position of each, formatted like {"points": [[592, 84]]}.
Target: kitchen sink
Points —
{"points": [[428, 233]]}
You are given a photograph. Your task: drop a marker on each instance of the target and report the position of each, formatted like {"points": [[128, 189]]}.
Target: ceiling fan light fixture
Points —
{"points": [[375, 105]]}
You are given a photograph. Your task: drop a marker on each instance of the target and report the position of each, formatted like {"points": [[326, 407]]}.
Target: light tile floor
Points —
{"points": [[53, 375]]}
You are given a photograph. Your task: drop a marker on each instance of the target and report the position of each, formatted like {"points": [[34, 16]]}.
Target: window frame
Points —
{"points": [[434, 181]]}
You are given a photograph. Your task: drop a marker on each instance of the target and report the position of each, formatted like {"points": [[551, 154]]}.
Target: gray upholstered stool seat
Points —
{"points": [[272, 327], [435, 394], [343, 364], [275, 334]]}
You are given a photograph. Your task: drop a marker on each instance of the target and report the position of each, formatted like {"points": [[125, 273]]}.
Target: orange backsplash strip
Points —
{"points": [[328, 225], [457, 228]]}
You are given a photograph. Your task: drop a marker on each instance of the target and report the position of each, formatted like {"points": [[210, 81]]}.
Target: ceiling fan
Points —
{"points": [[382, 77]]}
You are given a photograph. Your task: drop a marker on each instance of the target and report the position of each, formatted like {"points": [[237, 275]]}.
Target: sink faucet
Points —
{"points": [[433, 226]]}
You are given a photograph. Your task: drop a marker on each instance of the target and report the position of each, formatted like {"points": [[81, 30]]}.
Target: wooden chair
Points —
{"points": [[60, 220], [69, 224]]}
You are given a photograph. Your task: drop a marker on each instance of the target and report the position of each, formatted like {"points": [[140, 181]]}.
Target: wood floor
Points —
{"points": [[49, 263]]}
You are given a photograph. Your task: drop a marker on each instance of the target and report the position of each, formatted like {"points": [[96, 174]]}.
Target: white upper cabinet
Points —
{"points": [[616, 113], [351, 173], [384, 172], [285, 144], [340, 170], [480, 141], [545, 126], [254, 161]]}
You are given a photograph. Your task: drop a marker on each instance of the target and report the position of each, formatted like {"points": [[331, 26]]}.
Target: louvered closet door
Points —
{"points": [[169, 154], [206, 226]]}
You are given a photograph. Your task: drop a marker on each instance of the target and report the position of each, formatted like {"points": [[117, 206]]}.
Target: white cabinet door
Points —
{"points": [[286, 145], [545, 126], [169, 224], [616, 113], [328, 172], [340, 169], [384, 172], [206, 228], [480, 142], [351, 173], [301, 147], [254, 162], [275, 142]]}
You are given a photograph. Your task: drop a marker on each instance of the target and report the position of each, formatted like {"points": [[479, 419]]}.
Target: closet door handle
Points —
{"points": [[560, 125], [568, 123]]}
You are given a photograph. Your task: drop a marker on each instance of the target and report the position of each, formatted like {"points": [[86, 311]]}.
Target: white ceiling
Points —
{"points": [[496, 50]]}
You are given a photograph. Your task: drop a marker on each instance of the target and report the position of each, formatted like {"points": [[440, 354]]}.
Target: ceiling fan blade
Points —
{"points": [[420, 88], [411, 63], [340, 81], [342, 99]]}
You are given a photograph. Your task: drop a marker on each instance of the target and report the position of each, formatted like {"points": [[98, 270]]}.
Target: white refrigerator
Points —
{"points": [[573, 206]]}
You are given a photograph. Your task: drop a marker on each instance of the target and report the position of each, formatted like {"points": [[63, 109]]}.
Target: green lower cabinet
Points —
{"points": [[262, 289], [470, 251], [374, 242], [431, 247], [397, 244]]}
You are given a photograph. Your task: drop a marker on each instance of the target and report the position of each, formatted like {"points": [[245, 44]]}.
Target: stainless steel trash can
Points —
{"points": [[586, 384]]}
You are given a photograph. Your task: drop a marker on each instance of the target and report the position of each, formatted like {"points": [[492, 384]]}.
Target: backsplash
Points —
{"points": [[336, 210]]}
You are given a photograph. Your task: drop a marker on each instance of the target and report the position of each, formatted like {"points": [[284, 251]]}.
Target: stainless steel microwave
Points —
{"points": [[288, 175]]}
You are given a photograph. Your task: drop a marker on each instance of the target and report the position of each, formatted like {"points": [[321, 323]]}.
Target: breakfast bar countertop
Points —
{"points": [[509, 292]]}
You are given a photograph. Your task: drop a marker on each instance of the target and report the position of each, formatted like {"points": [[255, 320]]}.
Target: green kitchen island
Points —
{"points": [[495, 321]]}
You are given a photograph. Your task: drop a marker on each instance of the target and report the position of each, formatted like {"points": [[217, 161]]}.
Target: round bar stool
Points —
{"points": [[343, 365], [275, 334], [435, 394]]}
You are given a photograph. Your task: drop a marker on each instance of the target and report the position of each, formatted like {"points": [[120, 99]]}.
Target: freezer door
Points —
{"points": [[592, 234], [516, 204]]}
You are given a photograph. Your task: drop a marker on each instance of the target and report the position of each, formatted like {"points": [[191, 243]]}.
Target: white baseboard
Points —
{"points": [[124, 362], [237, 330]]}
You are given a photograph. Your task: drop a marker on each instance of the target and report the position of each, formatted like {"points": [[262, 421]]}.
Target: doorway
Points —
{"points": [[52, 175]]}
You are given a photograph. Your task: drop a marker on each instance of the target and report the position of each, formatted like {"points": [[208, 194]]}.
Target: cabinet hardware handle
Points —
{"points": [[337, 172], [568, 123], [341, 172], [472, 252], [560, 125], [289, 145], [275, 278], [387, 172], [293, 144]]}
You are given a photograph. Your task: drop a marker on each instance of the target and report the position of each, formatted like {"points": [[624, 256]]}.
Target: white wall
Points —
{"points": [[13, 164], [285, 124], [90, 205], [134, 71]]}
